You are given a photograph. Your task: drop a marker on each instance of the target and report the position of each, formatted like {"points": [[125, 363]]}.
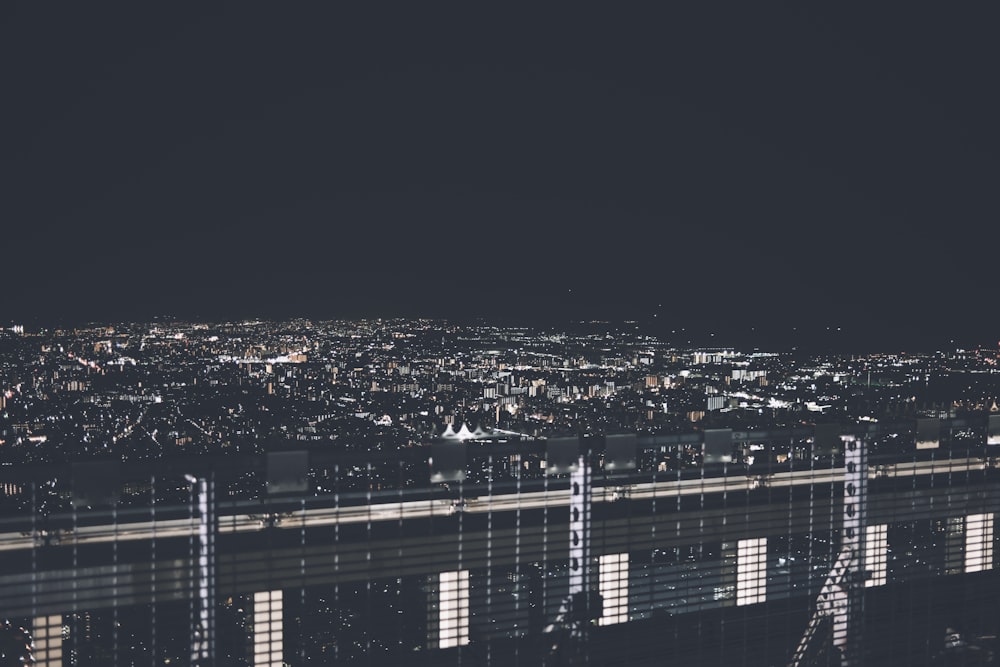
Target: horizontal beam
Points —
{"points": [[441, 508], [272, 559]]}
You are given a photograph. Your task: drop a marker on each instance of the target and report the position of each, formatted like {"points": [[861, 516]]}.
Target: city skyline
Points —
{"points": [[243, 387], [840, 337], [723, 170], [429, 467], [397, 334]]}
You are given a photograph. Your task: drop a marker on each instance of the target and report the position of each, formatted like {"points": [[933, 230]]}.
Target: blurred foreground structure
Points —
{"points": [[788, 547]]}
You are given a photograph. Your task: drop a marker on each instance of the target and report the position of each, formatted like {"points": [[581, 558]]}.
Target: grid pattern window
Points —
{"points": [[268, 628]]}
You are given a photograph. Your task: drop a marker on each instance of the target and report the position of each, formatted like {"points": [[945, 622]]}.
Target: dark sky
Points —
{"points": [[719, 167]]}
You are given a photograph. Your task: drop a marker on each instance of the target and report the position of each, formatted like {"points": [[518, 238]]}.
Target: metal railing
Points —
{"points": [[717, 547]]}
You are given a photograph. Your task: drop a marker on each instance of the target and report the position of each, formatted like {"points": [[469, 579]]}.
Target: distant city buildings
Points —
{"points": [[141, 391]]}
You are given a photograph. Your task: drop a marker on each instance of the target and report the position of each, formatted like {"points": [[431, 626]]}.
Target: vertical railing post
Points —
{"points": [[841, 599], [581, 605], [849, 618], [203, 598], [580, 596], [579, 529]]}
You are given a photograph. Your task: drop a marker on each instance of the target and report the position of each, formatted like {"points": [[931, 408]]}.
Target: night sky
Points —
{"points": [[720, 168]]}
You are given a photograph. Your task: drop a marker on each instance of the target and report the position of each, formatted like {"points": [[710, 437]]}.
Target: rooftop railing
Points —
{"points": [[716, 547]]}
